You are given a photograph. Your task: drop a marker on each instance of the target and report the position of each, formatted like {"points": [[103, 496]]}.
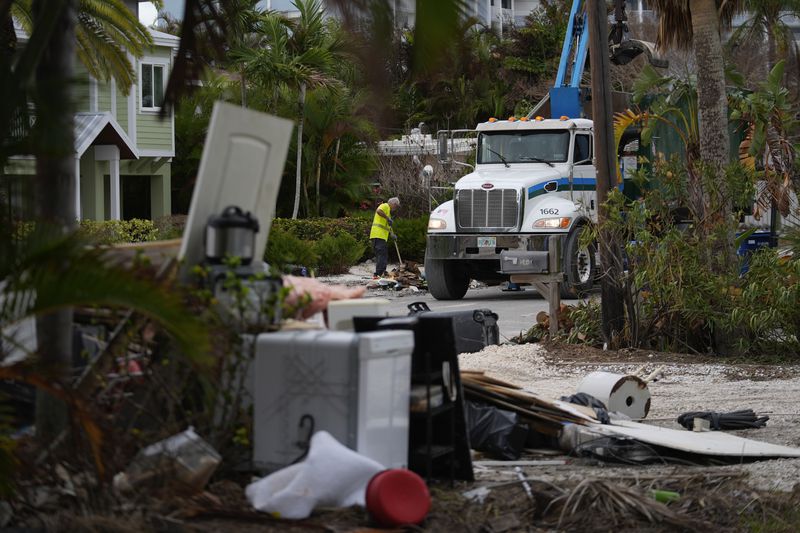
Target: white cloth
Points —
{"points": [[332, 475]]}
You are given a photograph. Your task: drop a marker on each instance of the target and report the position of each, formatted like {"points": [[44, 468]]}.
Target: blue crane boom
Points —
{"points": [[567, 95]]}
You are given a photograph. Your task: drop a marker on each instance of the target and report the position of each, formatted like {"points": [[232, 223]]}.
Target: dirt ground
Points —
{"points": [[580, 494], [563, 493]]}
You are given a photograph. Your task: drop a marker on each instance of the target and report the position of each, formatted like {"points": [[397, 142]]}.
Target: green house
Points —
{"points": [[123, 147]]}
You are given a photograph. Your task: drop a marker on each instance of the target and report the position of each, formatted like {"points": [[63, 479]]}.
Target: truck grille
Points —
{"points": [[478, 208]]}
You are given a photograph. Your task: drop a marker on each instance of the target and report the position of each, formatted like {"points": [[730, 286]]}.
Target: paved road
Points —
{"points": [[516, 310]]}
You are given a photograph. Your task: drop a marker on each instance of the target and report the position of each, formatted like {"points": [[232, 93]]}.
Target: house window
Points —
{"points": [[152, 86]]}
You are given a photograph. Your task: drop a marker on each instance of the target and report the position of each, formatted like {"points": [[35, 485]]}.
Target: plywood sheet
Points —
{"points": [[713, 443]]}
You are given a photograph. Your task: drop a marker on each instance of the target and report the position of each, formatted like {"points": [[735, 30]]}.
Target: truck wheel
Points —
{"points": [[579, 266], [446, 281]]}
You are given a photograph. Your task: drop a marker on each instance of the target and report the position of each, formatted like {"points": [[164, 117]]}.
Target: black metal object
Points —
{"points": [[438, 440], [473, 329]]}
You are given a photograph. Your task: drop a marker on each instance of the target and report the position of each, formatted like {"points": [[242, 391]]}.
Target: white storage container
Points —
{"points": [[341, 312], [354, 385]]}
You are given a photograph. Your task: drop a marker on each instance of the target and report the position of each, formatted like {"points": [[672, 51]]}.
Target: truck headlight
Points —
{"points": [[437, 223], [553, 223]]}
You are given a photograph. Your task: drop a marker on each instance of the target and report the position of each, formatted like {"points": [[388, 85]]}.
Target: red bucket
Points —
{"points": [[397, 497]]}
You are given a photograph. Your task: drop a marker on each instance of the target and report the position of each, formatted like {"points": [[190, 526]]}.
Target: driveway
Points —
{"points": [[516, 310]]}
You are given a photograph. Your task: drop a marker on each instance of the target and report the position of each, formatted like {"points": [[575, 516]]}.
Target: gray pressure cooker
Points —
{"points": [[231, 234]]}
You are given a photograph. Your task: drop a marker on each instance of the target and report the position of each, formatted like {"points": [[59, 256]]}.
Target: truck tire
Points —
{"points": [[446, 280], [580, 267]]}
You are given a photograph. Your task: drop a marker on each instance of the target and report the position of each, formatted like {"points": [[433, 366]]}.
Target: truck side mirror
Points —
{"points": [[443, 139]]}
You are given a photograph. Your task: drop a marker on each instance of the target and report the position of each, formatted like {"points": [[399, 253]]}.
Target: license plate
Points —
{"points": [[487, 242]]}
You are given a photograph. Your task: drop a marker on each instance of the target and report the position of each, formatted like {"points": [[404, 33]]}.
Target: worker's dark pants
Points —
{"points": [[381, 255]]}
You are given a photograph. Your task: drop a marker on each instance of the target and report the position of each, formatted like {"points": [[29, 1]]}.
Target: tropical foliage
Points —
{"points": [[107, 31]]}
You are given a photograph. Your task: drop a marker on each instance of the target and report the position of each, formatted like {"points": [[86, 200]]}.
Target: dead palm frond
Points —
{"points": [[675, 20], [615, 505]]}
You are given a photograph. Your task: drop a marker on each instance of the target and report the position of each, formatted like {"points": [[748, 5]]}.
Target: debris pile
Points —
{"points": [[406, 276], [609, 434], [543, 416]]}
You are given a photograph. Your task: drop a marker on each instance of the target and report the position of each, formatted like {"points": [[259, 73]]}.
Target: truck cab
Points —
{"points": [[533, 179]]}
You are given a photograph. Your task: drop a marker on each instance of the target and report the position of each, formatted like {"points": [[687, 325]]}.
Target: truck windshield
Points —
{"points": [[523, 146]]}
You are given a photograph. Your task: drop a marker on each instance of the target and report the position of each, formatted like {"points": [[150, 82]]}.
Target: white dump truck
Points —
{"points": [[533, 188], [533, 180]]}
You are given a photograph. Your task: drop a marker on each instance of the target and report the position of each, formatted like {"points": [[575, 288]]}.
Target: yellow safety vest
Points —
{"points": [[380, 226]]}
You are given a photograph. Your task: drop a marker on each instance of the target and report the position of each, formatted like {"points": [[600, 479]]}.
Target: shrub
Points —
{"points": [[314, 229], [411, 237], [765, 317], [170, 226], [139, 230], [337, 253], [285, 250], [119, 231], [681, 297]]}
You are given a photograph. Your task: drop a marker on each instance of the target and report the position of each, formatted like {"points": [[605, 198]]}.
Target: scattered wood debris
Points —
{"points": [[406, 276], [544, 416]]}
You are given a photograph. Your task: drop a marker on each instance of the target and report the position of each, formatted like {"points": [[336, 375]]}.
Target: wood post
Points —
{"points": [[612, 308]]}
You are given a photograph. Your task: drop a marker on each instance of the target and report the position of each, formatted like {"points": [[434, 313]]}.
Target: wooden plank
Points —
{"points": [[482, 378]]}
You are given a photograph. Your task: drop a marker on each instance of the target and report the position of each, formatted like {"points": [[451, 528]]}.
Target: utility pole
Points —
{"points": [[611, 305]]}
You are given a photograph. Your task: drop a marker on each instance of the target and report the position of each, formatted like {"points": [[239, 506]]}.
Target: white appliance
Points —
{"points": [[353, 385]]}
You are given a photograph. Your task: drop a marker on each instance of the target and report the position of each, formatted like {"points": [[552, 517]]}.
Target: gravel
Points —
{"points": [[771, 390]]}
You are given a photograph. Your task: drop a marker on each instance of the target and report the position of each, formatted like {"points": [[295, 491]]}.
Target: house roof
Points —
{"points": [[164, 39], [101, 128], [159, 37]]}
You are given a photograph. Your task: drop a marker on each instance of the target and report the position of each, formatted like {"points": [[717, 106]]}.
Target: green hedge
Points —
{"points": [[337, 253], [314, 229], [117, 231], [410, 232], [291, 242], [285, 250]]}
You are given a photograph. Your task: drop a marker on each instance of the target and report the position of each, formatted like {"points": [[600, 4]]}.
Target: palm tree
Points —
{"points": [[766, 21], [332, 115], [696, 24], [106, 32], [299, 54], [242, 36], [53, 141]]}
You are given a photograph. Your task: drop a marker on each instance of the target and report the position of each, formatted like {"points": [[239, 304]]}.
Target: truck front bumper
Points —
{"points": [[466, 245]]}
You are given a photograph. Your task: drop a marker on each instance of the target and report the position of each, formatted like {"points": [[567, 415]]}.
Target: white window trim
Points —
{"points": [[156, 61]]}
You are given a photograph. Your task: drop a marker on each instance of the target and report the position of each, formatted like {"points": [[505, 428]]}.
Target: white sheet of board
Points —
{"points": [[716, 443], [242, 165]]}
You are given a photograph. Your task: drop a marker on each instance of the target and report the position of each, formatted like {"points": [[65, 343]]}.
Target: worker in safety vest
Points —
{"points": [[381, 228]]}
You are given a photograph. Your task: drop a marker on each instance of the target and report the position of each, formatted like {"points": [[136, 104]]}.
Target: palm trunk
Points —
{"points": [[243, 81], [53, 139], [298, 174], [713, 119], [319, 171]]}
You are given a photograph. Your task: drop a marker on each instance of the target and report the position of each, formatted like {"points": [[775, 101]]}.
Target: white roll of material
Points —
{"points": [[628, 395]]}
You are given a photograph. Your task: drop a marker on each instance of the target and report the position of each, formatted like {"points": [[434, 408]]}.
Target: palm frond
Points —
{"points": [[112, 62], [204, 38], [624, 120], [49, 272]]}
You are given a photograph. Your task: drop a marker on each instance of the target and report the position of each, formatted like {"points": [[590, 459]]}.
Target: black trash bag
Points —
{"points": [[742, 419], [495, 432], [588, 400]]}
